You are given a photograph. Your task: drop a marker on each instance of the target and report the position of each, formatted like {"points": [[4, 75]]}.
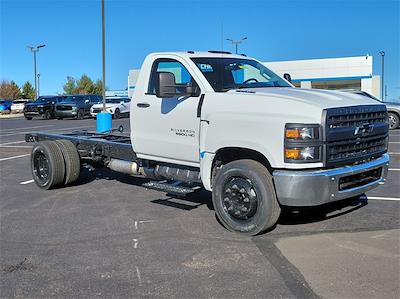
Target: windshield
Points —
{"points": [[117, 100], [233, 73], [42, 100], [72, 99]]}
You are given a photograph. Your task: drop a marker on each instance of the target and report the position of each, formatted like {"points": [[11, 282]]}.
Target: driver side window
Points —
{"points": [[182, 75]]}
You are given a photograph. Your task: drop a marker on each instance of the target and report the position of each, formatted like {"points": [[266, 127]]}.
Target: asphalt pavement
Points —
{"points": [[107, 236]]}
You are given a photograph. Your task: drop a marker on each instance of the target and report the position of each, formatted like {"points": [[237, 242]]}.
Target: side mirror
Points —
{"points": [[287, 77], [165, 87]]}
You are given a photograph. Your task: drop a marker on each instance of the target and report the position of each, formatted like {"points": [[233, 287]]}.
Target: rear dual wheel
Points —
{"points": [[244, 197], [54, 163]]}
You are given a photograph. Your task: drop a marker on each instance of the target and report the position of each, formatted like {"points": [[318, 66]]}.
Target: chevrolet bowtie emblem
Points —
{"points": [[363, 129]]}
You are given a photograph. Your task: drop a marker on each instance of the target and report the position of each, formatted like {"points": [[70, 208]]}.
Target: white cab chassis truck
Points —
{"points": [[227, 123]]}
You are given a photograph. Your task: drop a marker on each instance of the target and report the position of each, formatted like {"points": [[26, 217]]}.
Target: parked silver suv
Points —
{"points": [[392, 108]]}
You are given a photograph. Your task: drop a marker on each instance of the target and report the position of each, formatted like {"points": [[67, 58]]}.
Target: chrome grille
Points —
{"points": [[355, 134]]}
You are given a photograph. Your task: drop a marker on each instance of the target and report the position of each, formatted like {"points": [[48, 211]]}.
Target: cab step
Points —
{"points": [[171, 187]]}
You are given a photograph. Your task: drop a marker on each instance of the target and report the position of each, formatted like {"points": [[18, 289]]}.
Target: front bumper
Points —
{"points": [[33, 113], [66, 113], [316, 187]]}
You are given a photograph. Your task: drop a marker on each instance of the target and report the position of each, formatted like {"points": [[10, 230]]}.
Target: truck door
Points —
{"points": [[167, 129]]}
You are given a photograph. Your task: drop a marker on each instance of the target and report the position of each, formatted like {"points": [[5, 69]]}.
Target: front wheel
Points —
{"points": [[81, 114], [47, 114], [117, 114], [393, 120], [244, 197]]}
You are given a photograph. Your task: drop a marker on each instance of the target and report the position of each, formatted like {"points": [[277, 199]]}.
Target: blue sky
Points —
{"points": [[276, 30]]}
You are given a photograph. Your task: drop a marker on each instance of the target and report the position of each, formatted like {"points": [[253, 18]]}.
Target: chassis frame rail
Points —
{"points": [[92, 145]]}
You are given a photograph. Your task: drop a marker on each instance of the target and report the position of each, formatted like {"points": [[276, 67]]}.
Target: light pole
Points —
{"points": [[103, 45], [383, 73], [38, 85], [34, 50], [236, 42]]}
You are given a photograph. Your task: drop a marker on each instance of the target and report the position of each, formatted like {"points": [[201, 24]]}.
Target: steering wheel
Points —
{"points": [[249, 80]]}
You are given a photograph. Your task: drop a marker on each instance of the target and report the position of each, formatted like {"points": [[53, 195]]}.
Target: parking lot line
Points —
{"points": [[16, 146], [17, 129], [26, 182], [394, 169], [31, 131], [383, 198], [14, 157], [392, 153], [14, 142], [394, 141]]}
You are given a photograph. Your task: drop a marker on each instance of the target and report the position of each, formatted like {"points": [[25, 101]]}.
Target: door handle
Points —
{"points": [[143, 105]]}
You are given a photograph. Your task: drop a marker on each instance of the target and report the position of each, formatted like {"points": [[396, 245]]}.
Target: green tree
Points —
{"points": [[98, 87], [70, 86], [84, 85], [9, 90], [28, 92]]}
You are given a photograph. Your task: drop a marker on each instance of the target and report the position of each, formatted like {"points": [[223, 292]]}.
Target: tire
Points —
{"points": [[71, 159], [81, 114], [244, 197], [28, 117], [47, 115], [393, 120], [117, 114], [47, 164]]}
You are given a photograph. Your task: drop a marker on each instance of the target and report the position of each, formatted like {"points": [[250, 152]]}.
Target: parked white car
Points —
{"points": [[116, 106], [19, 105]]}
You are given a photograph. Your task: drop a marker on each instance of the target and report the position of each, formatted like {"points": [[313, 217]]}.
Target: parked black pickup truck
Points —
{"points": [[42, 107]]}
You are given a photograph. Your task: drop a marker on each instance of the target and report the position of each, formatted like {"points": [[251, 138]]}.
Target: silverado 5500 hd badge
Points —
{"points": [[184, 132]]}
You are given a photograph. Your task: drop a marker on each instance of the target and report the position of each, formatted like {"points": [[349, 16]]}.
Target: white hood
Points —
{"points": [[316, 97]]}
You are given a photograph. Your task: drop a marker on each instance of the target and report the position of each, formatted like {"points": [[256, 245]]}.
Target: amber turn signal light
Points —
{"points": [[292, 153], [292, 133]]}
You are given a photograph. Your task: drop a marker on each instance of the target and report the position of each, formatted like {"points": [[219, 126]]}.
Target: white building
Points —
{"points": [[331, 73], [328, 73]]}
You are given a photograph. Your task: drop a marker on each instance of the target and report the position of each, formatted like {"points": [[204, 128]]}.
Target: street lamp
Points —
{"points": [[38, 85], [103, 45], [383, 73], [34, 50], [236, 42]]}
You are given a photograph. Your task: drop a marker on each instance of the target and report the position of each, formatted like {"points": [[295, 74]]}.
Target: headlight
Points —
{"points": [[302, 143], [74, 108]]}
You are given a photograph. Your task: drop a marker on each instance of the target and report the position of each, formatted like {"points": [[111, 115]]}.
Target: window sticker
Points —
{"points": [[205, 68]]}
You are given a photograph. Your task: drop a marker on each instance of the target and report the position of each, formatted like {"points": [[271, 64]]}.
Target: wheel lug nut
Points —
{"points": [[242, 190], [226, 199], [228, 190], [246, 199], [237, 213], [235, 187], [230, 208], [244, 209]]}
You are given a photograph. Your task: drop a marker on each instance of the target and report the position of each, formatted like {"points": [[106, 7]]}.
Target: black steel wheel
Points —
{"points": [[117, 113], [47, 163], [47, 114], [393, 120], [81, 114], [244, 197], [71, 159]]}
